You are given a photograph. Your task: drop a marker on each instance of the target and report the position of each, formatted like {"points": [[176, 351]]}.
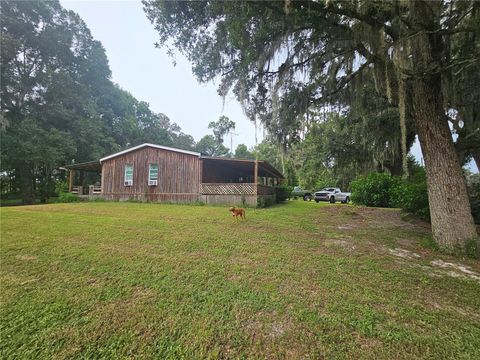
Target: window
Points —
{"points": [[128, 175], [152, 174]]}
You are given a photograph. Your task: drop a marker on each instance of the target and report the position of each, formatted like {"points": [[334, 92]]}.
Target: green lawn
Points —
{"points": [[301, 280]]}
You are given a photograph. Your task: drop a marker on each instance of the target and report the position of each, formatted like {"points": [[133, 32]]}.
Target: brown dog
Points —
{"points": [[236, 212]]}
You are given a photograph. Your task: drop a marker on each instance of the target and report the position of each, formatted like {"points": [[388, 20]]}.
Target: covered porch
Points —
{"points": [[235, 181], [84, 179]]}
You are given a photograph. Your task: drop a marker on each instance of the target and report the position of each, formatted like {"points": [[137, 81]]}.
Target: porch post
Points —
{"points": [[102, 180], [255, 175], [71, 175]]}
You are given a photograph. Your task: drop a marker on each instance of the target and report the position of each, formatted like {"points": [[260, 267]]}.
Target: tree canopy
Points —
{"points": [[210, 146], [221, 127], [242, 152]]}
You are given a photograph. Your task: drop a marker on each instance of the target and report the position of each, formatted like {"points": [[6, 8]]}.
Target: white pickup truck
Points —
{"points": [[332, 195]]}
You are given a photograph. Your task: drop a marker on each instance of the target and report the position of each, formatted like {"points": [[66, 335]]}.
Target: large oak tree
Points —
{"points": [[282, 58]]}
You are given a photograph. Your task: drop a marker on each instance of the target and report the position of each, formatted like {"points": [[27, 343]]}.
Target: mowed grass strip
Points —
{"points": [[300, 280]]}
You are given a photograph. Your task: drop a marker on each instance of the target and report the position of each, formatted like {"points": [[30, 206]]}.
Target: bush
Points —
{"points": [[412, 196], [373, 190], [473, 182], [264, 202], [282, 193], [66, 197], [61, 187]]}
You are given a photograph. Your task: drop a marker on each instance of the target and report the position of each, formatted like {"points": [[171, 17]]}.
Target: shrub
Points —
{"points": [[473, 182], [412, 196], [61, 187], [263, 202], [282, 193], [379, 189], [66, 197], [373, 190]]}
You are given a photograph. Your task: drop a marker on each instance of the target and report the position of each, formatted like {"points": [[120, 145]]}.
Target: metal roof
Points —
{"points": [[86, 166], [149, 145]]}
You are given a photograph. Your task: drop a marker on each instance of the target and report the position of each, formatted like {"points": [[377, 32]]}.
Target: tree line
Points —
{"points": [[59, 104]]}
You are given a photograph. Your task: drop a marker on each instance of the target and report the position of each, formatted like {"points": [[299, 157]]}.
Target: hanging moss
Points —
{"points": [[400, 62]]}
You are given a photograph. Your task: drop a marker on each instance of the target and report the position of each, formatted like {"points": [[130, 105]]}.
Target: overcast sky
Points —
{"points": [[149, 75]]}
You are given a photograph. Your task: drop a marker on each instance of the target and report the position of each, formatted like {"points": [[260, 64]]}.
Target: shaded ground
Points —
{"points": [[302, 280]]}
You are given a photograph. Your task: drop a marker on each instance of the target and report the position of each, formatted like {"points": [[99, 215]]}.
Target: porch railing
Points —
{"points": [[227, 189], [92, 190], [235, 189]]}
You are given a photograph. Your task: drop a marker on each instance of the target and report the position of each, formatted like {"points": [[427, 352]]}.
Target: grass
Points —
{"points": [[301, 280]]}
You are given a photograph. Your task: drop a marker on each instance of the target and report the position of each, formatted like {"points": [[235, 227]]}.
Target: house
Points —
{"points": [[150, 172]]}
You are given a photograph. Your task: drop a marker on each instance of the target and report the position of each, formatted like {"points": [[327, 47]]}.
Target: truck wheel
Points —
{"points": [[332, 200], [317, 201], [307, 197], [347, 200]]}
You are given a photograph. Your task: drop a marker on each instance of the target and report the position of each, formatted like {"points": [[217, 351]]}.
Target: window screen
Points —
{"points": [[129, 172], [153, 172]]}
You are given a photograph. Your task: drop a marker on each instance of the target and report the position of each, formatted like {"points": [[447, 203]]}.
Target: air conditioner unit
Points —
{"points": [[128, 182], [152, 182]]}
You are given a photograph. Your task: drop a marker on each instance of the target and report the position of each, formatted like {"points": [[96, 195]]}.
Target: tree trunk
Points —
{"points": [[452, 221], [395, 165], [26, 184]]}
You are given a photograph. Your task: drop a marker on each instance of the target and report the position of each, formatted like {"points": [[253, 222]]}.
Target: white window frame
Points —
{"points": [[128, 181], [152, 181]]}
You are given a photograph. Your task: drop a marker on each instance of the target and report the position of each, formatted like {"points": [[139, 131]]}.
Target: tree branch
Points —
{"points": [[343, 81], [352, 14]]}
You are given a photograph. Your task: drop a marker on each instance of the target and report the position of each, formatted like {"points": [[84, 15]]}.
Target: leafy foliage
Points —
{"points": [[66, 197], [374, 190], [242, 152], [263, 202], [209, 145], [268, 151], [473, 181], [221, 127], [385, 190], [412, 196], [282, 193], [294, 57]]}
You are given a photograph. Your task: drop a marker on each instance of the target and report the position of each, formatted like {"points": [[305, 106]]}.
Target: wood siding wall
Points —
{"points": [[178, 176]]}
